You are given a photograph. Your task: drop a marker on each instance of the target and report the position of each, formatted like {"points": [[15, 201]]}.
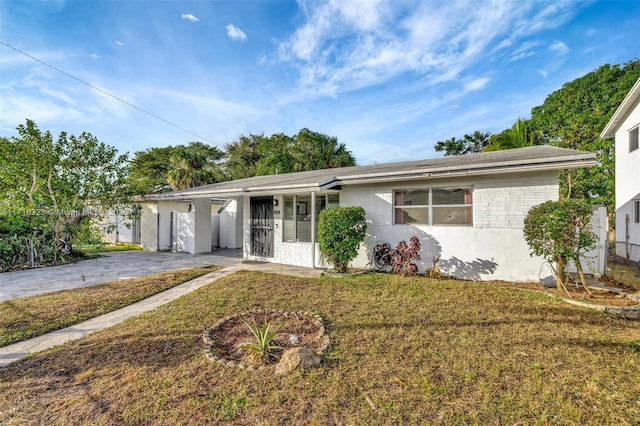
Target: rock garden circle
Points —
{"points": [[296, 340]]}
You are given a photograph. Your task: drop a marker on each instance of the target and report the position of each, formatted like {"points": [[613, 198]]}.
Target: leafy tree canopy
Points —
{"points": [[315, 151], [517, 136], [57, 186], [175, 167], [194, 165], [574, 116], [259, 155], [149, 168], [469, 144]]}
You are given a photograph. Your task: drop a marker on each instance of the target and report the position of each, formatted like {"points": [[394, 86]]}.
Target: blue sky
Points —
{"points": [[389, 79]]}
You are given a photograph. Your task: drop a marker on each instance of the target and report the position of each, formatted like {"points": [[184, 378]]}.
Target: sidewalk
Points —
{"points": [[16, 351]]}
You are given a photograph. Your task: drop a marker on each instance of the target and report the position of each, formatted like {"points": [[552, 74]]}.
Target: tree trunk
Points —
{"points": [[561, 266], [583, 280]]}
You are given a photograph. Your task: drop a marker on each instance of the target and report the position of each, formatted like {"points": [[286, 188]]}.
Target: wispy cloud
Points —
{"points": [[235, 33], [543, 73], [189, 17], [346, 46], [95, 56], [476, 84], [559, 47], [119, 43], [524, 50]]}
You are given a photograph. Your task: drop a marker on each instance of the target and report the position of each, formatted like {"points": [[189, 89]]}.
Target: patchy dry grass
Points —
{"points": [[28, 317], [625, 275], [404, 351]]}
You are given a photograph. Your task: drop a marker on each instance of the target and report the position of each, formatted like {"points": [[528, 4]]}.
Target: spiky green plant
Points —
{"points": [[265, 347]]}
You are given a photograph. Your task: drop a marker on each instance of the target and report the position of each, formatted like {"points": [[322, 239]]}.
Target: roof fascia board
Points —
{"points": [[466, 173], [581, 160]]}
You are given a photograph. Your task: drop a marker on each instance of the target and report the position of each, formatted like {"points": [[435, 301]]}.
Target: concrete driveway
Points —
{"points": [[109, 267]]}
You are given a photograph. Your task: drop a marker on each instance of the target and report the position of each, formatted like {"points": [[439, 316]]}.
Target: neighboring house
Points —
{"points": [[469, 209], [624, 127]]}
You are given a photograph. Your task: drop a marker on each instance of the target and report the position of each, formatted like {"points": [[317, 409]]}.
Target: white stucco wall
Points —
{"points": [[627, 182], [231, 224], [155, 223], [493, 248], [632, 249], [627, 163]]}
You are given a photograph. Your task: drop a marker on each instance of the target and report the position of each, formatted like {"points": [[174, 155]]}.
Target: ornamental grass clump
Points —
{"points": [[265, 347]]}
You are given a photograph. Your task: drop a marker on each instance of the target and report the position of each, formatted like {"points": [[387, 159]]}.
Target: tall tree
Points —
{"points": [[60, 187], [574, 116], [276, 155], [259, 155], [242, 156], [149, 168], [517, 136], [315, 151], [194, 165], [469, 144]]}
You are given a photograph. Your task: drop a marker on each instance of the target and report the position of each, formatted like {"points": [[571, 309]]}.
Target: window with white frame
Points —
{"points": [[433, 206], [297, 213], [633, 139]]}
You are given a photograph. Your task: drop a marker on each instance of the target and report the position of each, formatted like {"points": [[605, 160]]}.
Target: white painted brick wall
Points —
{"points": [[505, 204]]}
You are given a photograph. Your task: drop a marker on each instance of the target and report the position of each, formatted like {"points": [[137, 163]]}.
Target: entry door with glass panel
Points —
{"points": [[262, 226]]}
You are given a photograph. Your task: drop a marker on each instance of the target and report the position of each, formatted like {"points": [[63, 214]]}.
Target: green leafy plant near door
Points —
{"points": [[341, 230]]}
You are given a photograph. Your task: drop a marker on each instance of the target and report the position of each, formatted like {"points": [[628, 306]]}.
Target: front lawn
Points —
{"points": [[32, 316], [403, 351]]}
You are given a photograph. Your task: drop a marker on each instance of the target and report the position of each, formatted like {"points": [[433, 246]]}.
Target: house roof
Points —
{"points": [[534, 158], [628, 104]]}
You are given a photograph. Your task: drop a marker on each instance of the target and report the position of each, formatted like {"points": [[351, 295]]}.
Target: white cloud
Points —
{"points": [[559, 47], [524, 50], [476, 84], [543, 73], [235, 33], [95, 56], [119, 43], [346, 46], [189, 17]]}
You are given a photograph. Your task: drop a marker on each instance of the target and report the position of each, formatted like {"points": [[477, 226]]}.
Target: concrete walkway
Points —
{"points": [[16, 351]]}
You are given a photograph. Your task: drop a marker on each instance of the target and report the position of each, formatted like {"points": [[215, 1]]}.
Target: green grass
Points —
{"points": [[110, 248], [28, 317], [403, 351]]}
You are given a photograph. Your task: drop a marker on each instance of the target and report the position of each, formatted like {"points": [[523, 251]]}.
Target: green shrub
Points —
{"points": [[340, 232], [560, 231]]}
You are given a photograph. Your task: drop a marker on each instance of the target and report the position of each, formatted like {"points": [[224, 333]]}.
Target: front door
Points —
{"points": [[262, 226]]}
